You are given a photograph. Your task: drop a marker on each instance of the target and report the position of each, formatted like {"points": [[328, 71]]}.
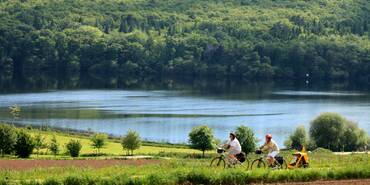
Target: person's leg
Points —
{"points": [[232, 157], [271, 158]]}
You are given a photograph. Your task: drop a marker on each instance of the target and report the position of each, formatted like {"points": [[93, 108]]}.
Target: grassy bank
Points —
{"points": [[183, 171], [113, 147]]}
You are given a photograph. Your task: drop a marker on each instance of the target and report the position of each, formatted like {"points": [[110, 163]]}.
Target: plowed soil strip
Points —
{"points": [[31, 164]]}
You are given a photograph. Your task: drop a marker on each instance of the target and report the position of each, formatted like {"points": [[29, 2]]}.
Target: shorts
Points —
{"points": [[234, 152], [272, 154]]}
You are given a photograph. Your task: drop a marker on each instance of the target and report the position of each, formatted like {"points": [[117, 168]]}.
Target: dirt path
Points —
{"points": [[30, 164], [337, 182]]}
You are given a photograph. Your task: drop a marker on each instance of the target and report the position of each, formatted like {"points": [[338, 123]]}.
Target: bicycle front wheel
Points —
{"points": [[246, 164], [258, 164], [218, 162]]}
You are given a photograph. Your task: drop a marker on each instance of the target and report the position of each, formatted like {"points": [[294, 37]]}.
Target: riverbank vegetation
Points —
{"points": [[178, 164], [239, 38], [328, 130]]}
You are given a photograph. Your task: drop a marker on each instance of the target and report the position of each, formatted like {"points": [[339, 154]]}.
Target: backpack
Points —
{"points": [[240, 157]]}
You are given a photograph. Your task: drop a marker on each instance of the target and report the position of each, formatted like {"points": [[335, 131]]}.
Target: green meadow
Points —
{"points": [[179, 165]]}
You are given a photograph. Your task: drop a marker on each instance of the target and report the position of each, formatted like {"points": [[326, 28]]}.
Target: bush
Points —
{"points": [[131, 141], [39, 143], [98, 141], [246, 138], [353, 138], [201, 138], [25, 144], [52, 182], [8, 139], [298, 139], [74, 148], [322, 151], [332, 131], [54, 146]]}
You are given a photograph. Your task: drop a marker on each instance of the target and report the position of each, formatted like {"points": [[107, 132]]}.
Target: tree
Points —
{"points": [[201, 138], [98, 141], [334, 132], [327, 129], [39, 143], [298, 139], [130, 142], [246, 138], [25, 144], [353, 137], [74, 148], [54, 146], [8, 139]]}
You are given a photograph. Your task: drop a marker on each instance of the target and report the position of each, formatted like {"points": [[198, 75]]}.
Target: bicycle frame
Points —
{"points": [[301, 159]]}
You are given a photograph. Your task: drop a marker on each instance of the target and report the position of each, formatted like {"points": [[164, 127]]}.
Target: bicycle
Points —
{"points": [[222, 160], [279, 162]]}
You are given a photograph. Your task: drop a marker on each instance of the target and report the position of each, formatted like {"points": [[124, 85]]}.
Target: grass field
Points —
{"points": [[113, 146], [180, 168]]}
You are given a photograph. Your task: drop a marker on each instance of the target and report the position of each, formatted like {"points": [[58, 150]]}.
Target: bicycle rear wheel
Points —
{"points": [[258, 164], [218, 162]]}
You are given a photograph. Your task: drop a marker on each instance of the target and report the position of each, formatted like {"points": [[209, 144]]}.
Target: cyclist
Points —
{"points": [[233, 146], [272, 148]]}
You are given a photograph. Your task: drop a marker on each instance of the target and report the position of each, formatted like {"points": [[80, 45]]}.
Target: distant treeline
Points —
{"points": [[249, 39]]}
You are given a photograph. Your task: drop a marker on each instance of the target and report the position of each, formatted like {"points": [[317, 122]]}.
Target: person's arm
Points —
{"points": [[262, 148], [226, 145]]}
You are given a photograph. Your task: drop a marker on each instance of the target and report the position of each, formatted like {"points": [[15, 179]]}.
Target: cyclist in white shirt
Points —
{"points": [[234, 147]]}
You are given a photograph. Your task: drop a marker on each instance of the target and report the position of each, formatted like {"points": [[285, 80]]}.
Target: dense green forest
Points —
{"points": [[252, 39]]}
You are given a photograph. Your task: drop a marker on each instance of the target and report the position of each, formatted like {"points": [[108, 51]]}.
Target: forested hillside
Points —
{"points": [[253, 39]]}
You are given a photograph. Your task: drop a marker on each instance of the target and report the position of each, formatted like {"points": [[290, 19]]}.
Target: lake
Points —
{"points": [[168, 114]]}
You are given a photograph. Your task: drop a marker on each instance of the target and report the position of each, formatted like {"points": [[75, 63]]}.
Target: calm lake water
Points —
{"points": [[168, 114]]}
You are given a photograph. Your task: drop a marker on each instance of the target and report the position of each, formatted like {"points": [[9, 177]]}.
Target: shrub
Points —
{"points": [[25, 144], [353, 137], [246, 138], [201, 138], [73, 180], [131, 141], [98, 141], [322, 151], [52, 182], [74, 148], [54, 146], [39, 143], [332, 131], [8, 139], [298, 139]]}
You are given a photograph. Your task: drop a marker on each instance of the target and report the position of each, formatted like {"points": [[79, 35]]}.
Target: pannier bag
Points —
{"points": [[279, 159], [240, 157]]}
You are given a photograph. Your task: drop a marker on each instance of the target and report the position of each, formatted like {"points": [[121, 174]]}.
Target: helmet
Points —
{"points": [[268, 136]]}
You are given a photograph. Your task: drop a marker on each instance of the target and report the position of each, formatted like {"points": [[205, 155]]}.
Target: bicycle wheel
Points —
{"points": [[246, 164], [258, 163], [218, 162]]}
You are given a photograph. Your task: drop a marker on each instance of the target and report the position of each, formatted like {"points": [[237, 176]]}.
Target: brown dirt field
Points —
{"points": [[30, 164], [337, 182]]}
